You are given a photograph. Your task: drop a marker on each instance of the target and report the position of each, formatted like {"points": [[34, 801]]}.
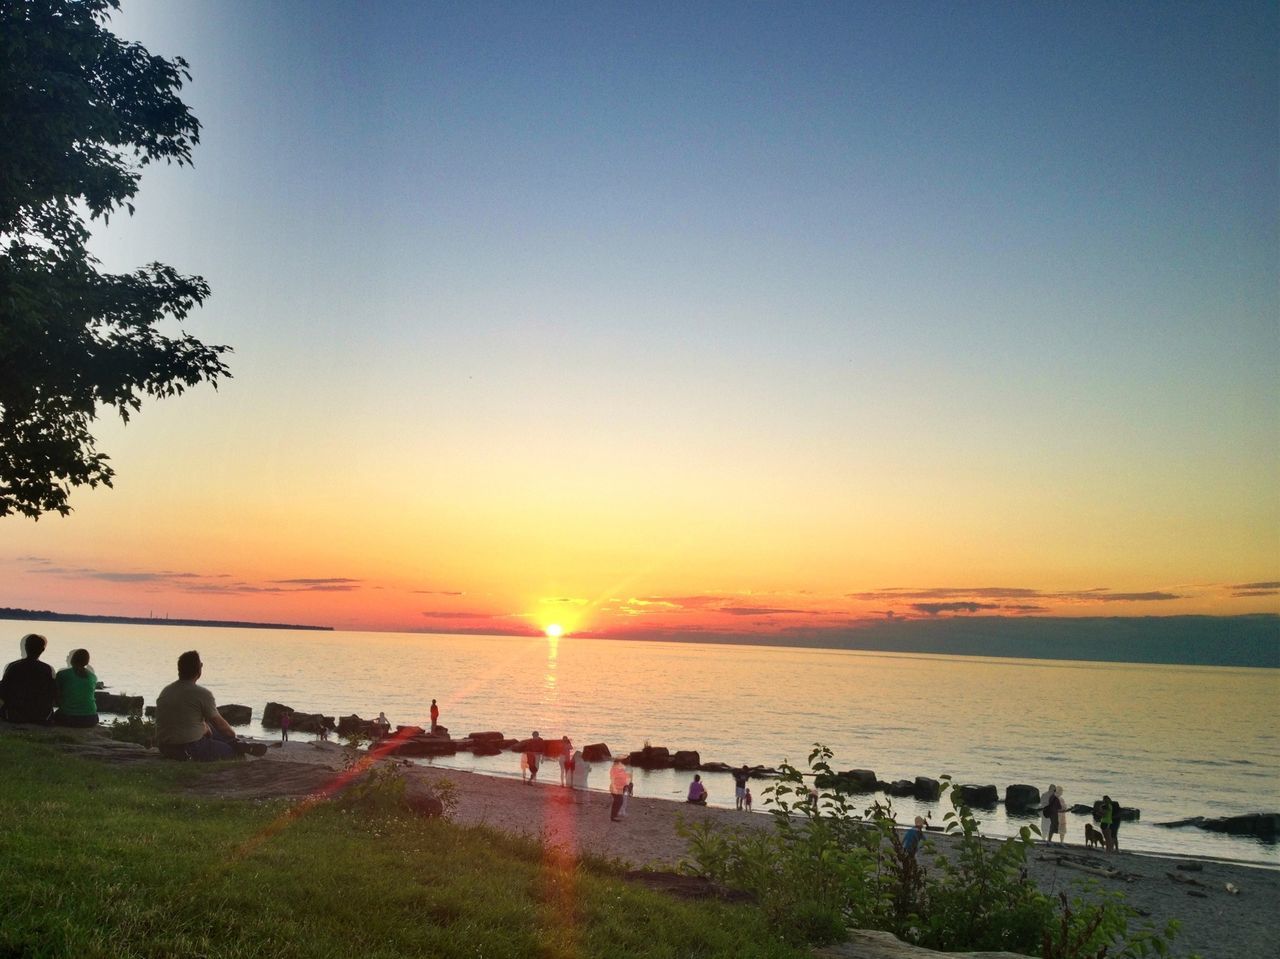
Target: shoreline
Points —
{"points": [[1215, 923]]}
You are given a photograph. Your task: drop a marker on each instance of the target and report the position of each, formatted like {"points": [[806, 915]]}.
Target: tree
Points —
{"points": [[81, 113]]}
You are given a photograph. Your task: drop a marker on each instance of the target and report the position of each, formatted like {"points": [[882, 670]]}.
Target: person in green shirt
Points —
{"points": [[77, 705]]}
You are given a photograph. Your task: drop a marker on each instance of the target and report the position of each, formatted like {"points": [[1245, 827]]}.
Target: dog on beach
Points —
{"points": [[1092, 837]]}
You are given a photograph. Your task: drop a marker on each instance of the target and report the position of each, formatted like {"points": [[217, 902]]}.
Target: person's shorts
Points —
{"points": [[740, 792]]}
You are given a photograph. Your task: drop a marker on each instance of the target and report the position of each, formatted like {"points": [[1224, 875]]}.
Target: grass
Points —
{"points": [[99, 861]]}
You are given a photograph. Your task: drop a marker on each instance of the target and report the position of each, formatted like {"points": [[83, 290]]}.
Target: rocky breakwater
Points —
{"points": [[299, 722], [1264, 825], [114, 703]]}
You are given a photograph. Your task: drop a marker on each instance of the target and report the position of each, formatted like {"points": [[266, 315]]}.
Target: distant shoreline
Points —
{"points": [[48, 616]]}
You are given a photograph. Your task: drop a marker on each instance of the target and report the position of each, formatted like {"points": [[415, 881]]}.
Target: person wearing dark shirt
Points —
{"points": [[740, 779], [28, 691]]}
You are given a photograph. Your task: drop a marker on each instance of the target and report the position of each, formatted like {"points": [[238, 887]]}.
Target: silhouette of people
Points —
{"points": [[27, 690], [1115, 826], [617, 789], [532, 756], [1107, 824], [435, 715], [383, 724], [77, 705], [740, 780], [581, 770], [698, 793], [1062, 815], [188, 724], [286, 720], [1049, 813], [746, 800], [565, 760]]}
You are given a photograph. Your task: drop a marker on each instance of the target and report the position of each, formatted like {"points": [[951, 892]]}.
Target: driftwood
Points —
{"points": [[1106, 872]]}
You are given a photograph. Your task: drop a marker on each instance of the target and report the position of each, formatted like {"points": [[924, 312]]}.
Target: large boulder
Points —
{"points": [[271, 714], [112, 703], [686, 759], [538, 745], [717, 768], [1263, 825], [408, 732], [235, 714], [651, 757], [309, 722], [1020, 797], [849, 781], [354, 725], [978, 797], [1127, 813], [901, 787], [424, 747], [485, 736], [596, 753], [927, 789]]}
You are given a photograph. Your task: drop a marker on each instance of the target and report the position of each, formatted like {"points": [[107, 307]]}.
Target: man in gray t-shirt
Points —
{"points": [[188, 724]]}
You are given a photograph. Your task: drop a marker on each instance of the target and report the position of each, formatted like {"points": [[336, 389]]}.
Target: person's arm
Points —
{"points": [[213, 719]]}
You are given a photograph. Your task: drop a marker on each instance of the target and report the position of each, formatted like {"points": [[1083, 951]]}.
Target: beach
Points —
{"points": [[1216, 924]]}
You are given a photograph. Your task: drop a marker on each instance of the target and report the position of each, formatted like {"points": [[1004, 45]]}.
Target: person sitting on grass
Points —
{"points": [[77, 705], [188, 724], [697, 792], [28, 691]]}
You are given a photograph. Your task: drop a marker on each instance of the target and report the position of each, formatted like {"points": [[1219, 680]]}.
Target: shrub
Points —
{"points": [[133, 729], [824, 869]]}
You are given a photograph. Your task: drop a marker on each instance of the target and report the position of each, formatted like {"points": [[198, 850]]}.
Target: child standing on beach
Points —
{"points": [[746, 800], [618, 789]]}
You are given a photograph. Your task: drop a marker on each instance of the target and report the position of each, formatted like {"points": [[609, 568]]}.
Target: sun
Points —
{"points": [[555, 631]]}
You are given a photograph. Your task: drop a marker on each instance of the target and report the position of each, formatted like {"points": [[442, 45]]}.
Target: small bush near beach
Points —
{"points": [[114, 862], [825, 869]]}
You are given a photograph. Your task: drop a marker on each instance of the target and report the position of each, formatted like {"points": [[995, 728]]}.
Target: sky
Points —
{"points": [[656, 319]]}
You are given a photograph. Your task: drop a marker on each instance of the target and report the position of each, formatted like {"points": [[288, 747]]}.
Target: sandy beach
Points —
{"points": [[1215, 923]]}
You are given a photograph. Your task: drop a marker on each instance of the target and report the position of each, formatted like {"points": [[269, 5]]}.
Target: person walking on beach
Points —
{"points": [[27, 690], [565, 760], [188, 724], [77, 705], [532, 755], [740, 779], [580, 771], [435, 715], [617, 789], [1115, 826], [286, 720], [1106, 819], [1062, 815], [1049, 814]]}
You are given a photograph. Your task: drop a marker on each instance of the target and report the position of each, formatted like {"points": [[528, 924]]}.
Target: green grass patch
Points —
{"points": [[105, 862]]}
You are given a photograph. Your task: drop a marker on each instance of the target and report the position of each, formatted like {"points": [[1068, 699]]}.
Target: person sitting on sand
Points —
{"points": [[28, 691], [188, 724], [617, 789], [697, 792], [77, 705], [911, 841]]}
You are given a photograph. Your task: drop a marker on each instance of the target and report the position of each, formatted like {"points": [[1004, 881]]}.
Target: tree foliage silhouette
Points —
{"points": [[81, 113]]}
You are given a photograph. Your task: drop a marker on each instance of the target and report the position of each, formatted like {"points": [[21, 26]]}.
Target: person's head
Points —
{"points": [[1106, 799], [535, 734], [189, 665], [697, 778], [79, 661], [33, 644], [919, 822], [433, 702]]}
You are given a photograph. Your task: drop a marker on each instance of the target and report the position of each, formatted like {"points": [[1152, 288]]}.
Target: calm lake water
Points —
{"points": [[1173, 741]]}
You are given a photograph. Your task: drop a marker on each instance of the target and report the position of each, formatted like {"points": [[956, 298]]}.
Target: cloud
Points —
{"points": [[454, 614], [1240, 593], [1274, 585], [1104, 597], [687, 602], [933, 609], [763, 611], [970, 595], [564, 600], [439, 592], [949, 592], [317, 581]]}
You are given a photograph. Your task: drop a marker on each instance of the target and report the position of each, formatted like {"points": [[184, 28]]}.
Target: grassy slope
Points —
{"points": [[100, 861]]}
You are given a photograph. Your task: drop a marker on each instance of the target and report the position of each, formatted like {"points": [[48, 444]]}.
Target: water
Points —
{"points": [[1173, 741]]}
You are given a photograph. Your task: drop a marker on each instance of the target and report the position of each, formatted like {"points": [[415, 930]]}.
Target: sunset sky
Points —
{"points": [[702, 317]]}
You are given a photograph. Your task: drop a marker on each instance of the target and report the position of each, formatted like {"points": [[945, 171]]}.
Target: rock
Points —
{"points": [[538, 745], [686, 759], [309, 722], [651, 757], [236, 715], [849, 781], [490, 734], [1020, 797], [149, 712], [423, 747], [354, 725], [1263, 825], [596, 753], [554, 748], [901, 787], [869, 944], [1177, 823], [408, 732], [123, 705], [486, 747], [978, 797], [927, 789], [716, 768], [1080, 809], [1127, 813], [271, 715]]}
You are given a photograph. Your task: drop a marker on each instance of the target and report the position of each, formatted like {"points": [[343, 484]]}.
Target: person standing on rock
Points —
{"points": [[617, 789], [435, 715], [740, 779]]}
